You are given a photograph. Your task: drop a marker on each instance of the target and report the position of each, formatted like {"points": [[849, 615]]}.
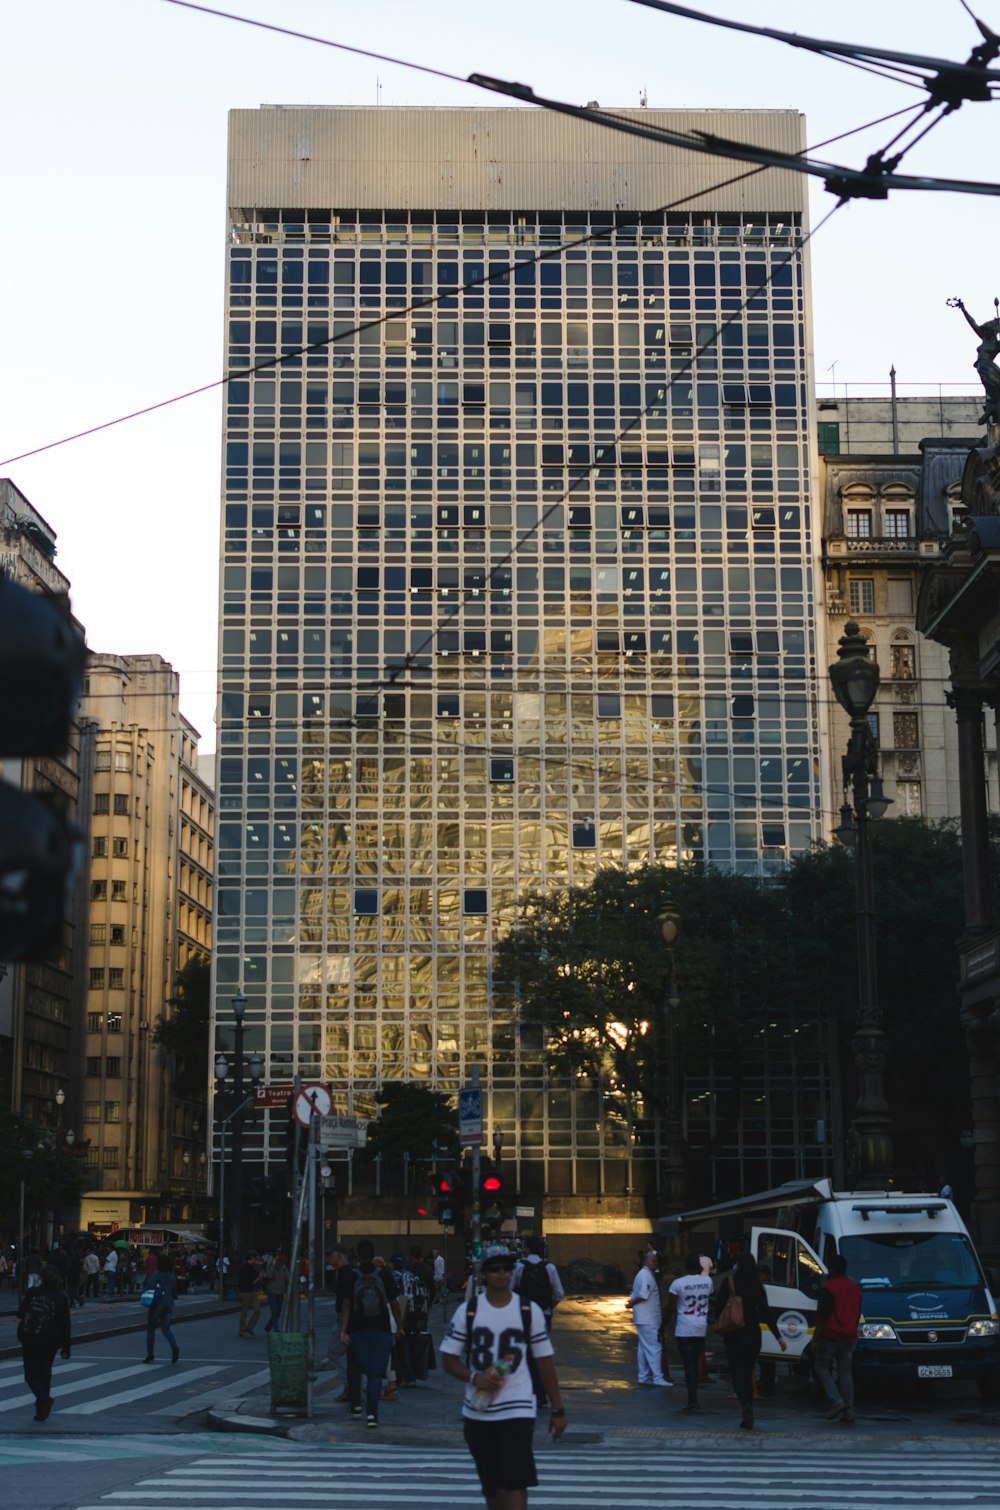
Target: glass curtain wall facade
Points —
{"points": [[514, 585]]}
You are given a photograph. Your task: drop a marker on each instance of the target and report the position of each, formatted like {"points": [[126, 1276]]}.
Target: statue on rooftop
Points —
{"points": [[986, 364]]}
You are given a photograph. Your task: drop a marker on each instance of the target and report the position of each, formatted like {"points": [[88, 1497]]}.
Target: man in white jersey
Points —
{"points": [[499, 1407]]}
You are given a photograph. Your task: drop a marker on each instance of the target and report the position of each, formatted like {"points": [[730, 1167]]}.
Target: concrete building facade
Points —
{"points": [[516, 578], [887, 518], [150, 845]]}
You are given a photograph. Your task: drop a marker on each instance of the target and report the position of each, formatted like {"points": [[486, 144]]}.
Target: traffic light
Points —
{"points": [[450, 1187], [491, 1192], [42, 656], [268, 1192]]}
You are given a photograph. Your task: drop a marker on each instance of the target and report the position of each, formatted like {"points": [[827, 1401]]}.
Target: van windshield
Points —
{"points": [[911, 1260]]}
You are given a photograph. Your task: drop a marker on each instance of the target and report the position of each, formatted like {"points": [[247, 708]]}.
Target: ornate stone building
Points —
{"points": [[887, 520]]}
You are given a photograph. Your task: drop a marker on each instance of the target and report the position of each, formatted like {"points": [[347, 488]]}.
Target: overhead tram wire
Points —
{"points": [[271, 363], [302, 36], [873, 181], [945, 83], [972, 72], [494, 86]]}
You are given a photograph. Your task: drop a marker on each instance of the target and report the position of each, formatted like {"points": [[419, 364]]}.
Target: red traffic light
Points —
{"points": [[492, 1184], [447, 1185]]}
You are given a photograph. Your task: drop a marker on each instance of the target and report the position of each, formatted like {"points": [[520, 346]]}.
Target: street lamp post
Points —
{"points": [[855, 678], [235, 1117], [26, 1154], [57, 1194], [673, 1163], [236, 1193]]}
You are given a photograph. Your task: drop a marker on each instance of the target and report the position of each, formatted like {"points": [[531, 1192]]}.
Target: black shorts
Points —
{"points": [[502, 1454]]}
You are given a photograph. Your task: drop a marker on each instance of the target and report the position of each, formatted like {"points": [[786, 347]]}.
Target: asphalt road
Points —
{"points": [[123, 1433]]}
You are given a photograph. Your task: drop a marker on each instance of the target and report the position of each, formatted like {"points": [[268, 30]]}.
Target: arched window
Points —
{"points": [[897, 512], [859, 512]]}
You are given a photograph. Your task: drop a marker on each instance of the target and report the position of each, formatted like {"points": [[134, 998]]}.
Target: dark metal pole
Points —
{"points": [[236, 1183], [57, 1193], [673, 1162], [870, 1137]]}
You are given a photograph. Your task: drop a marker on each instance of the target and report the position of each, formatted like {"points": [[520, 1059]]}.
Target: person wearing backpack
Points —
{"points": [[489, 1345], [537, 1280], [43, 1330], [366, 1330]]}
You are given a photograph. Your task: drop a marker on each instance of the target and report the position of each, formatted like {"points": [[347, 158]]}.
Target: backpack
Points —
{"points": [[370, 1303], [38, 1323], [417, 1300], [535, 1284]]}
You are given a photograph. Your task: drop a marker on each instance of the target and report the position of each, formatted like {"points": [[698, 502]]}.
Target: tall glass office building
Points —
{"points": [[517, 573]]}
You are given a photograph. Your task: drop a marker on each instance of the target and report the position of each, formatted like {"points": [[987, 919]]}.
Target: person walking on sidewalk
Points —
{"points": [[276, 1289], [688, 1298], [160, 1313], [111, 1272], [43, 1330], [366, 1329], [488, 1347], [91, 1274], [248, 1282], [838, 1311], [644, 1303], [743, 1344]]}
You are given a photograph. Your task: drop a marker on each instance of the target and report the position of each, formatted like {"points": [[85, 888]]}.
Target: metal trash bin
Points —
{"points": [[287, 1360]]}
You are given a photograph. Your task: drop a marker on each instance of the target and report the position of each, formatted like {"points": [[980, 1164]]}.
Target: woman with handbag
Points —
{"points": [[160, 1312], [744, 1311]]}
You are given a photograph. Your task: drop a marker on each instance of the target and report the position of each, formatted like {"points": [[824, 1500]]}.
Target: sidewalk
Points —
{"points": [[102, 1318], [595, 1358]]}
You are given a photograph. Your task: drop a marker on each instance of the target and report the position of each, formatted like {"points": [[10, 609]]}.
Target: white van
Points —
{"points": [[927, 1309]]}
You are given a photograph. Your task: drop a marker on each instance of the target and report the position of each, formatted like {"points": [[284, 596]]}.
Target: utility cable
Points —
{"points": [[302, 36], [501, 273]]}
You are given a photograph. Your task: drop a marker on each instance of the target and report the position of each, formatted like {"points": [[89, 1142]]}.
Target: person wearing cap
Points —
{"points": [[499, 1409]]}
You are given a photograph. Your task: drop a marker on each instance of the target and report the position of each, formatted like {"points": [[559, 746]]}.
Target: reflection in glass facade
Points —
{"points": [[514, 585]]}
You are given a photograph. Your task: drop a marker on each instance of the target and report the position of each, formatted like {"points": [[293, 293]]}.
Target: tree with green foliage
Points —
{"points": [[584, 972], [184, 1031], [414, 1121], [917, 883], [28, 1151]]}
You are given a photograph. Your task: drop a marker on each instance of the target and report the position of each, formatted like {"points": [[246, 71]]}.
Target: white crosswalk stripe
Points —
{"points": [[753, 1475], [167, 1388]]}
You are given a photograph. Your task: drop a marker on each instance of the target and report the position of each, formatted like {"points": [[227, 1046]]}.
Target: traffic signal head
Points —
{"points": [[450, 1188], [38, 857], [42, 656], [491, 1186]]}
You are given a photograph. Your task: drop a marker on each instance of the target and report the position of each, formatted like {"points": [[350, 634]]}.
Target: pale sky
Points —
{"points": [[113, 186]]}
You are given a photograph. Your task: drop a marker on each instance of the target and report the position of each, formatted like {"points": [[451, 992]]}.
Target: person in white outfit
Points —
{"points": [[644, 1303]]}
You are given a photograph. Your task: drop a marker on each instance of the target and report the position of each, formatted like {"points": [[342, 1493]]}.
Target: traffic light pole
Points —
{"points": [[475, 1225]]}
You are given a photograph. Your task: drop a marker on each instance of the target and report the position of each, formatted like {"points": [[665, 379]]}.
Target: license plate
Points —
{"points": [[933, 1370]]}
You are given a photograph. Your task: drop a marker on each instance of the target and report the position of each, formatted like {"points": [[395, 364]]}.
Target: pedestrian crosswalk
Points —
{"points": [[90, 1387], [756, 1474]]}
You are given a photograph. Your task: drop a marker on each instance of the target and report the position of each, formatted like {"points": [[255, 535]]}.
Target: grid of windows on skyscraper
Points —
{"points": [[515, 585]]}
